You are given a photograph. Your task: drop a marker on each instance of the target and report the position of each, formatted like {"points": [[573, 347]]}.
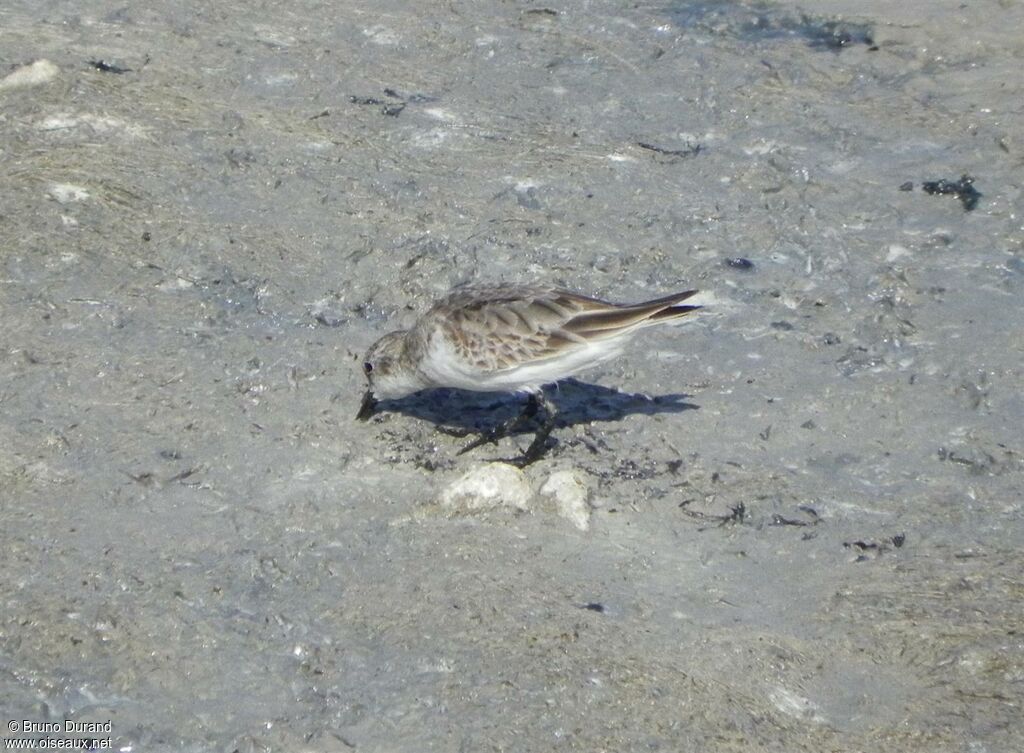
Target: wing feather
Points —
{"points": [[494, 328]]}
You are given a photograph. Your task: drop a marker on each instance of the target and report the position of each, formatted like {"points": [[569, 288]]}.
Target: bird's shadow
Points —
{"points": [[576, 403]]}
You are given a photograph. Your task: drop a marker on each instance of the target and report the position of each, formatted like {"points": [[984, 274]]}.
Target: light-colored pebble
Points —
{"points": [[486, 487], [33, 74], [66, 193], [570, 495]]}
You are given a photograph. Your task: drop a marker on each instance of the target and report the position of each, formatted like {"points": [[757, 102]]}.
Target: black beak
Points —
{"points": [[368, 406]]}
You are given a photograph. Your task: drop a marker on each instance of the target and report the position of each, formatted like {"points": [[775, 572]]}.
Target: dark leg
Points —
{"points": [[537, 447], [504, 429]]}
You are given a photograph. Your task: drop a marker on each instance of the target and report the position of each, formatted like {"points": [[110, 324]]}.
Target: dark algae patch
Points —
{"points": [[962, 189], [690, 151], [391, 109], [739, 262], [764, 23], [818, 33], [105, 67]]}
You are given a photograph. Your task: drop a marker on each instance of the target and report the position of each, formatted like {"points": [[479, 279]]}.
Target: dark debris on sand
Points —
{"points": [[962, 189]]}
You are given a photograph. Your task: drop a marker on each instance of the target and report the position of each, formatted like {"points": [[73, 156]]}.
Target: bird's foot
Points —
{"points": [[453, 431], [488, 437], [539, 446], [491, 436], [504, 429]]}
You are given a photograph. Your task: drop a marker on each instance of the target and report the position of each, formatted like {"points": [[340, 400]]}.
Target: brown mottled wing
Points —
{"points": [[502, 326]]}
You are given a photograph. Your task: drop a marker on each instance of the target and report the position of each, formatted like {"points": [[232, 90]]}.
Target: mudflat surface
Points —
{"points": [[806, 518]]}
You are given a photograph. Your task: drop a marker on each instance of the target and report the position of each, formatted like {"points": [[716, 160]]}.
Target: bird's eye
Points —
{"points": [[367, 367]]}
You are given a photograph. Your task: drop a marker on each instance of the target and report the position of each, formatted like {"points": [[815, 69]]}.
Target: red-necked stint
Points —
{"points": [[508, 338]]}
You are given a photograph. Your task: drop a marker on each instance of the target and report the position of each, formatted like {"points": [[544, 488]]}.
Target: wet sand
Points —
{"points": [[803, 510]]}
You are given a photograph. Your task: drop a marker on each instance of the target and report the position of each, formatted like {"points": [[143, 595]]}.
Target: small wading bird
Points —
{"points": [[508, 338]]}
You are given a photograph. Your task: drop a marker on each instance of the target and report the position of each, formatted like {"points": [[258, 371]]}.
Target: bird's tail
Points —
{"points": [[673, 310], [609, 322]]}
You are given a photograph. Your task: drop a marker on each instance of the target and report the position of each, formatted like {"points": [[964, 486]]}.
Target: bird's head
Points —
{"points": [[388, 373]]}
